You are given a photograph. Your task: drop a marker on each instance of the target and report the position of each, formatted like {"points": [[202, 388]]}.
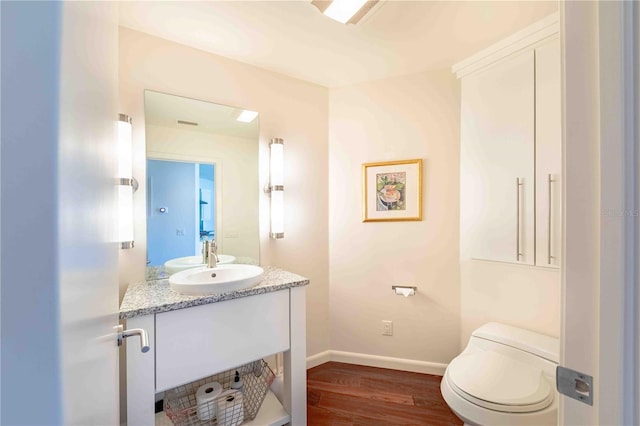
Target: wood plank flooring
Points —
{"points": [[353, 395]]}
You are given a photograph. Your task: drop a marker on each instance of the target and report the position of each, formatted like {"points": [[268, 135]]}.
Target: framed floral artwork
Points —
{"points": [[392, 191]]}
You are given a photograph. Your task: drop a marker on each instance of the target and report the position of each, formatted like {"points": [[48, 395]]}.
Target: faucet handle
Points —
{"points": [[212, 256], [213, 250]]}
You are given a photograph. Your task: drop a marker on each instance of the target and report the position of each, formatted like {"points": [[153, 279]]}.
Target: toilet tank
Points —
{"points": [[535, 343]]}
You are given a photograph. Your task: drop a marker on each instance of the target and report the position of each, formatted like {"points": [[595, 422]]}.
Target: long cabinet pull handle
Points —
{"points": [[550, 181], [518, 185]]}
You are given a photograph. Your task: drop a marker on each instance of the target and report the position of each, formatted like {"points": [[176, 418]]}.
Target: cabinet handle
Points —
{"points": [[518, 185], [549, 256]]}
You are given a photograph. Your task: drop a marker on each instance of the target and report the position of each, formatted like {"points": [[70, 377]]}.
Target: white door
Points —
{"points": [[87, 213], [59, 252], [497, 180]]}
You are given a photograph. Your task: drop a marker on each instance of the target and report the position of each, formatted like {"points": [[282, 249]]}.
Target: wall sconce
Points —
{"points": [[127, 183], [276, 187]]}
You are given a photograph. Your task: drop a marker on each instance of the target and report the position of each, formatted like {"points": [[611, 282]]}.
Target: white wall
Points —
{"points": [[291, 109], [415, 116], [523, 296], [59, 279], [237, 160]]}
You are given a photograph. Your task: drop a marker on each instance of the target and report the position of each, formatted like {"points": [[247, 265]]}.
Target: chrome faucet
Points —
{"points": [[212, 259]]}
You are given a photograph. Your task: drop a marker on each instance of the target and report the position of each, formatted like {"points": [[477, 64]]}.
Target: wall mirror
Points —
{"points": [[202, 182]]}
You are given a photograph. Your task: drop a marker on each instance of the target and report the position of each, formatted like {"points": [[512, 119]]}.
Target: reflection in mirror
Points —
{"points": [[202, 183], [189, 189]]}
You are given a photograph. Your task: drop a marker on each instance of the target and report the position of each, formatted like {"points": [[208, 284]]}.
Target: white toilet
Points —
{"points": [[505, 376]]}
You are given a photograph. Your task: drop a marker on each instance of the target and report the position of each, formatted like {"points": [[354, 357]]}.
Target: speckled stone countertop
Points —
{"points": [[153, 297]]}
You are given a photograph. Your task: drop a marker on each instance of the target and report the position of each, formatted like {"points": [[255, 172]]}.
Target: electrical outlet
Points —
{"points": [[387, 328]]}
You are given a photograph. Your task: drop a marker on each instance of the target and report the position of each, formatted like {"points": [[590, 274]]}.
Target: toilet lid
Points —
{"points": [[500, 383]]}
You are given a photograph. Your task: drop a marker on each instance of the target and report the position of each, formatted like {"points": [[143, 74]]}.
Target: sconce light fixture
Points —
{"points": [[276, 187], [127, 183], [345, 11]]}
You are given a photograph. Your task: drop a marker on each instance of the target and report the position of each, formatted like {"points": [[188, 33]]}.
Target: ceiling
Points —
{"points": [[165, 110], [295, 39]]}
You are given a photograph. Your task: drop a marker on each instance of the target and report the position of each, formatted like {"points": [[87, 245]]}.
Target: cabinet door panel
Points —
{"points": [[196, 342], [497, 132], [548, 155]]}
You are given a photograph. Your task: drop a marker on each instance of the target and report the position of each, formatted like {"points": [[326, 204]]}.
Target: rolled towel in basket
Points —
{"points": [[230, 408]]}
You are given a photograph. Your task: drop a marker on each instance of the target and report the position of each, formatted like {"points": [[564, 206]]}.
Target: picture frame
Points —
{"points": [[392, 191]]}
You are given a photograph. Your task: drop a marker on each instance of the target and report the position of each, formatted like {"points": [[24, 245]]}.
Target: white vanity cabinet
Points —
{"points": [[511, 151], [196, 342], [200, 340]]}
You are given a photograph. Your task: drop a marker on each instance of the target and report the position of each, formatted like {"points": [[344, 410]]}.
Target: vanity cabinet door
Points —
{"points": [[497, 160], [199, 341]]}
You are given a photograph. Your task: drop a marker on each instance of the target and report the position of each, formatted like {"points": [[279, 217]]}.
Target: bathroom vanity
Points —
{"points": [[192, 337]]}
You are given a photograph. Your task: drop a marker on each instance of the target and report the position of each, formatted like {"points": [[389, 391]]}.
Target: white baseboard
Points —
{"points": [[402, 364], [318, 359]]}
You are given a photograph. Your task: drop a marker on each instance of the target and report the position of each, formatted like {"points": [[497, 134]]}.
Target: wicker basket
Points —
{"points": [[231, 408]]}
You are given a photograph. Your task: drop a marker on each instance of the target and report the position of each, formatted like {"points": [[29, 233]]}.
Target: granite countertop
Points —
{"points": [[152, 297]]}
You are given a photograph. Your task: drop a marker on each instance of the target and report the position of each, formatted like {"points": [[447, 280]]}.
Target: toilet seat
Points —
{"points": [[492, 380]]}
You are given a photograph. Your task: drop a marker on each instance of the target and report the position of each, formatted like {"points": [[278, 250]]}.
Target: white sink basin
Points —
{"points": [[181, 263], [221, 279]]}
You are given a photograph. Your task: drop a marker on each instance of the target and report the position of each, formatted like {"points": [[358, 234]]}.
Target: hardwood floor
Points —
{"points": [[353, 395]]}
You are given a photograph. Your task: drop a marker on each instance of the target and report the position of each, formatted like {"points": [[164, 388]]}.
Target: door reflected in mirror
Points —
{"points": [[202, 183], [189, 188]]}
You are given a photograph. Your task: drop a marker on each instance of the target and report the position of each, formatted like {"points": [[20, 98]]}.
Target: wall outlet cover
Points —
{"points": [[387, 328]]}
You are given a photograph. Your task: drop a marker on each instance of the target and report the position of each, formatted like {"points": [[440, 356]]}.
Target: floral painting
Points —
{"points": [[391, 194], [392, 191]]}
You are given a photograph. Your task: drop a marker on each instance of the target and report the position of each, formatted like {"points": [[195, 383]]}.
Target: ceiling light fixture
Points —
{"points": [[247, 116], [345, 11]]}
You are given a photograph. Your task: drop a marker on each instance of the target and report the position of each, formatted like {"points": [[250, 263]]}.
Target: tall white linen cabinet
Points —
{"points": [[511, 159]]}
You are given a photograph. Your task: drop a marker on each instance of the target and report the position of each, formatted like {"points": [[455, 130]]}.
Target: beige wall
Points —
{"points": [[415, 116], [237, 194], [523, 296], [290, 109]]}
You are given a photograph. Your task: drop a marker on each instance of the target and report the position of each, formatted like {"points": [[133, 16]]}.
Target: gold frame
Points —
{"points": [[365, 214]]}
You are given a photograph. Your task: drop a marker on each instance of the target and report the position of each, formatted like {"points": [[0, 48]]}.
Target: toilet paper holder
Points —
{"points": [[404, 290]]}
